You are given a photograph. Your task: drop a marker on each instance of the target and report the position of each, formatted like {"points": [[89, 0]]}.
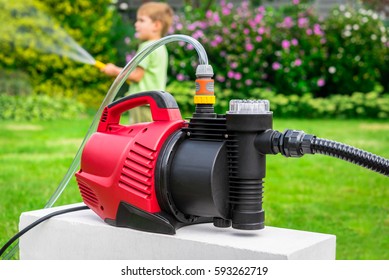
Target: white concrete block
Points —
{"points": [[83, 235]]}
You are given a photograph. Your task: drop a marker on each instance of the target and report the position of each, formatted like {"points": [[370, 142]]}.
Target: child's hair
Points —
{"points": [[158, 11]]}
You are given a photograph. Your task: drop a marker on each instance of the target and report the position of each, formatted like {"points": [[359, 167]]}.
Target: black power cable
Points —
{"points": [[37, 222]]}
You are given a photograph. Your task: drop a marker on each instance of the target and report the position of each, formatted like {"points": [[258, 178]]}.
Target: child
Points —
{"points": [[152, 22]]}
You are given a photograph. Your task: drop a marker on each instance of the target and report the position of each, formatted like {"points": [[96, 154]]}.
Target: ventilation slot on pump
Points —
{"points": [[104, 115], [88, 195], [137, 170]]}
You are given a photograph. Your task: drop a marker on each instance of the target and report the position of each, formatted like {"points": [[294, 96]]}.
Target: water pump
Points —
{"points": [[161, 175]]}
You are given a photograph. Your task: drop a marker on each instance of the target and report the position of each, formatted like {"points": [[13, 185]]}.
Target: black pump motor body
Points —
{"points": [[212, 169]]}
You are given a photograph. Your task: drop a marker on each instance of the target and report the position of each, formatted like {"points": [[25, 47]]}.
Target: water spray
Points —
{"points": [[27, 26]]}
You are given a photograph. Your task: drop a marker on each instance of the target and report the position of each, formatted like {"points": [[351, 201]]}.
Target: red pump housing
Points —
{"points": [[118, 162]]}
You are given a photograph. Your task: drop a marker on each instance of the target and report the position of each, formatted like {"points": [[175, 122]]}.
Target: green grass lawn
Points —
{"points": [[314, 193]]}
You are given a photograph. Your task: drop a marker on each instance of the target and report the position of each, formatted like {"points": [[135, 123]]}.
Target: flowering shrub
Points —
{"points": [[289, 50], [358, 51]]}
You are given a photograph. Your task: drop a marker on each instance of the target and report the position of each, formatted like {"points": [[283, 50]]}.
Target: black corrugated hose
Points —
{"points": [[295, 143], [351, 154]]}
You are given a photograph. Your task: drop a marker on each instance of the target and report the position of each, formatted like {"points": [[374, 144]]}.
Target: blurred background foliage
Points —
{"points": [[307, 65], [30, 27]]}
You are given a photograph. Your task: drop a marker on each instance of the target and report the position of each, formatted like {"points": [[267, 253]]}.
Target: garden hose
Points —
{"points": [[350, 154]]}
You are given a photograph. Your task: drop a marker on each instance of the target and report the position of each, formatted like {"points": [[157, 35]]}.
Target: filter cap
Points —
{"points": [[244, 106]]}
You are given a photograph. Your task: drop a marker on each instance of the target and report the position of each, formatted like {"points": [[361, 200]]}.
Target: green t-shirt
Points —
{"points": [[155, 67]]}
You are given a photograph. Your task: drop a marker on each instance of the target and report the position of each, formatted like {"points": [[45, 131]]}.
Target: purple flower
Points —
{"points": [[129, 57], [220, 78], [198, 34], [202, 24], [309, 31], [218, 38], [261, 9], [127, 40], [288, 22], [179, 26], [226, 11], [252, 23], [249, 47], [237, 76], [248, 82], [230, 74], [261, 30], [214, 43], [285, 44], [294, 42], [302, 22], [191, 27], [296, 2], [246, 31], [321, 82], [258, 39], [298, 62], [317, 30], [180, 77], [258, 18], [234, 65], [216, 18], [276, 66]]}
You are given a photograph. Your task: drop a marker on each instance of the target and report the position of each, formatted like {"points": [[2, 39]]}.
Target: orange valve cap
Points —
{"points": [[205, 86]]}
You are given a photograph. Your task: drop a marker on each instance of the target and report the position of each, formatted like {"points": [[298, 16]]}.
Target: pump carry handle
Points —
{"points": [[163, 107]]}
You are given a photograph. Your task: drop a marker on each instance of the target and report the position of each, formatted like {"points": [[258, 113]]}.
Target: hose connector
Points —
{"points": [[205, 92], [204, 98], [290, 143], [295, 143]]}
